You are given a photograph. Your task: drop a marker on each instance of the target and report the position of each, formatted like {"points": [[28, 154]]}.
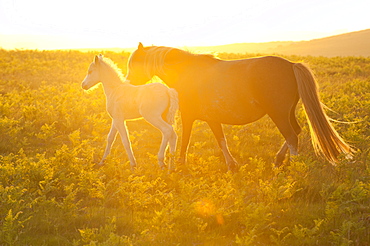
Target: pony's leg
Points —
{"points": [[291, 137], [111, 137], [121, 127], [187, 125], [167, 137], [172, 143], [280, 156], [221, 140]]}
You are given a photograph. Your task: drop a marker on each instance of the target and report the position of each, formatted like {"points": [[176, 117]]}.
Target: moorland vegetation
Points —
{"points": [[53, 133]]}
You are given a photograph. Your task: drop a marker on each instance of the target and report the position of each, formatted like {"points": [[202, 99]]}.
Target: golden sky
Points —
{"points": [[49, 24]]}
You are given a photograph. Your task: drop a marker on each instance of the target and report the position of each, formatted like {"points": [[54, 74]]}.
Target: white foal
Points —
{"points": [[155, 102]]}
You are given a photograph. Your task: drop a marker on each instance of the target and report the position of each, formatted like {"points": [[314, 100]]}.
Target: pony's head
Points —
{"points": [[136, 72], [93, 75], [146, 62], [164, 62]]}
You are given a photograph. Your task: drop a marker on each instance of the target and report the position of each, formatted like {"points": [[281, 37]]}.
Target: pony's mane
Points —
{"points": [[113, 67], [156, 55], [154, 60]]}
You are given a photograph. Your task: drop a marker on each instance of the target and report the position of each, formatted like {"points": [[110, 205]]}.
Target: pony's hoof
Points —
{"points": [[181, 160], [161, 165], [171, 169], [278, 164], [133, 167], [232, 166], [279, 160], [98, 165], [293, 158]]}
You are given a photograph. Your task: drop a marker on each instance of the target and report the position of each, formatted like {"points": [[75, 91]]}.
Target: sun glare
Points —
{"points": [[85, 24]]}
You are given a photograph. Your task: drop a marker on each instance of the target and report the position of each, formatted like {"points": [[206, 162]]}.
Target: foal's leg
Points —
{"points": [[168, 136], [221, 140], [121, 127], [111, 137]]}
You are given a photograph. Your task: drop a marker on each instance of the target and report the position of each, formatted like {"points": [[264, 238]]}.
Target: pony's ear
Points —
{"points": [[96, 59], [141, 46]]}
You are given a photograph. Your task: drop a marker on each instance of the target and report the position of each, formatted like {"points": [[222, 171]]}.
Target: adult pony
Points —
{"points": [[155, 102], [239, 92]]}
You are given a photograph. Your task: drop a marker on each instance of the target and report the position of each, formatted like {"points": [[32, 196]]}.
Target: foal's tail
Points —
{"points": [[174, 105], [325, 138]]}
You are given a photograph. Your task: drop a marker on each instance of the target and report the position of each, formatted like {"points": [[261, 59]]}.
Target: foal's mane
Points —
{"points": [[113, 68], [155, 58]]}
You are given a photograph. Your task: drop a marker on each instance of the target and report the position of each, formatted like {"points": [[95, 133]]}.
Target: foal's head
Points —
{"points": [[103, 70], [93, 74]]}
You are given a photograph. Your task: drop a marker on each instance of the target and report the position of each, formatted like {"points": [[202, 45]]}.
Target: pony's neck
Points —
{"points": [[170, 64], [168, 79], [172, 72]]}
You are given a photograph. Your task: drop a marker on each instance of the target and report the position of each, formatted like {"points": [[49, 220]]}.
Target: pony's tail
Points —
{"points": [[324, 137], [174, 105]]}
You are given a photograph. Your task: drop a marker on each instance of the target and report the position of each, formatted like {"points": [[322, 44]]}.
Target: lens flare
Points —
{"points": [[206, 208]]}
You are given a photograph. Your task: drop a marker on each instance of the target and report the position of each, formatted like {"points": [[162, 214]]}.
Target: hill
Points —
{"points": [[242, 47], [348, 44]]}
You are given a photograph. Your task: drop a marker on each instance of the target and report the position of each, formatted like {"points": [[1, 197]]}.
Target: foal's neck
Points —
{"points": [[110, 83]]}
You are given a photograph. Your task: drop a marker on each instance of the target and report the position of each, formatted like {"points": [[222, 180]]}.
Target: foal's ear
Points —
{"points": [[141, 46], [96, 60]]}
